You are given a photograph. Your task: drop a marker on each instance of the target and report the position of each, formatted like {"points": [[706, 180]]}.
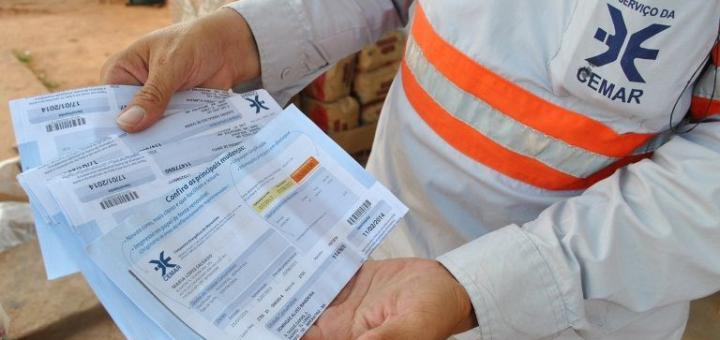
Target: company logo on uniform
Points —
{"points": [[633, 48], [163, 264], [625, 48], [257, 104]]}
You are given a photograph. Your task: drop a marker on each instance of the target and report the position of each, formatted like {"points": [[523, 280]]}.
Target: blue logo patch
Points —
{"points": [[633, 50], [257, 104], [163, 263]]}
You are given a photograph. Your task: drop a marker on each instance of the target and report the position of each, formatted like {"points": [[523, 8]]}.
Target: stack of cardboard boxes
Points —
{"points": [[327, 100], [346, 101], [376, 69]]}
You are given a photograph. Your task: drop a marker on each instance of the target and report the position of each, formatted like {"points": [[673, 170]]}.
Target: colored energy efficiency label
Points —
{"points": [[288, 183]]}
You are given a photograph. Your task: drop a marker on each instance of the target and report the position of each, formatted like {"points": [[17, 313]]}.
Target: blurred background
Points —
{"points": [[55, 45]]}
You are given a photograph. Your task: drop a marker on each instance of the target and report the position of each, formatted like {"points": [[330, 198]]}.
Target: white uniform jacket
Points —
{"points": [[544, 148]]}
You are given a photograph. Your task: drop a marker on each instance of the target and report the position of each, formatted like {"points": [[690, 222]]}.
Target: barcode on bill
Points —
{"points": [[65, 124], [119, 199], [355, 217]]}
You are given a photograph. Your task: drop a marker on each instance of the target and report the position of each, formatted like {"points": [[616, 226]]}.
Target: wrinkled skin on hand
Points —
{"points": [[397, 299], [216, 51]]}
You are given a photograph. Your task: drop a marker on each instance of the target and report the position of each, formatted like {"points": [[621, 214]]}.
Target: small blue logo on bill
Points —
{"points": [[167, 269], [633, 50], [257, 104]]}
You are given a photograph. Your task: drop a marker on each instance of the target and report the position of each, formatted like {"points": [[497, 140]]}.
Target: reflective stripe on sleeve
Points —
{"points": [[518, 103], [474, 145], [506, 127], [497, 126]]}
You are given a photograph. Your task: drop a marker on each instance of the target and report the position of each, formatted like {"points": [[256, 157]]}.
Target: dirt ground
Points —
{"points": [[45, 46], [65, 42]]}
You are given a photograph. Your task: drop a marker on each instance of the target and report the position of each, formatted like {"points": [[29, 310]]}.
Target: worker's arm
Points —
{"points": [[298, 39], [288, 42], [646, 237]]}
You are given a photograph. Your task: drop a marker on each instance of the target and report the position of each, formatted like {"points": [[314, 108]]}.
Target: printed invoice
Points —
{"points": [[256, 245], [97, 198], [235, 118], [53, 125], [232, 120]]}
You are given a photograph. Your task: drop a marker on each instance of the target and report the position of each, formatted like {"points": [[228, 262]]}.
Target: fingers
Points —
{"points": [[124, 69], [113, 72], [127, 67], [149, 104], [314, 333], [399, 329], [120, 76], [221, 80], [205, 52]]}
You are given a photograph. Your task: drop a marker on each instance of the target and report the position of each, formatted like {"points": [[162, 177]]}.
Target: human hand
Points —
{"points": [[397, 299], [216, 51]]}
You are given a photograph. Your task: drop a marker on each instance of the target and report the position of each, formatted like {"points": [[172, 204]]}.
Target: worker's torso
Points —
{"points": [[504, 107]]}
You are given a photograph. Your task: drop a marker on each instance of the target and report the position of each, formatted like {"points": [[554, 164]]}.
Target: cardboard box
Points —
{"points": [[356, 141], [373, 86], [333, 84], [296, 100], [704, 321], [333, 117], [370, 113], [385, 51]]}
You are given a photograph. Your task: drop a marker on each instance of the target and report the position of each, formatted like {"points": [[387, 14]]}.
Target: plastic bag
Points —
{"points": [[16, 224], [4, 324], [10, 190]]}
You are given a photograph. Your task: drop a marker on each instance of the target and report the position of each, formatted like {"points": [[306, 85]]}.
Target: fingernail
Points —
{"points": [[131, 117]]}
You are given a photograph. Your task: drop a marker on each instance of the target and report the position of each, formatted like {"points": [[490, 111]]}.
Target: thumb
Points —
{"points": [[148, 105]]}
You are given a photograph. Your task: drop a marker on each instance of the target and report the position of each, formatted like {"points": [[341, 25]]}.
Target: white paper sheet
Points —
{"points": [[128, 317], [256, 245], [51, 126], [236, 117], [97, 198]]}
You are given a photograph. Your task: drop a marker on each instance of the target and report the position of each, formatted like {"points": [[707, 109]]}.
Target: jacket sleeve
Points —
{"points": [[299, 39], [646, 237]]}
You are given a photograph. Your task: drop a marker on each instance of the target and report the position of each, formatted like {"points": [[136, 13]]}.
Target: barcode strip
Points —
{"points": [[119, 199], [359, 212], [65, 124]]}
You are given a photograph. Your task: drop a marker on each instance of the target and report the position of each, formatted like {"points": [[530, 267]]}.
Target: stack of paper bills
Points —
{"points": [[230, 218]]}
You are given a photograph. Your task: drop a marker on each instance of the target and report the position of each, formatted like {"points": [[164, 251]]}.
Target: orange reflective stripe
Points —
{"points": [[701, 108], [476, 146], [516, 102]]}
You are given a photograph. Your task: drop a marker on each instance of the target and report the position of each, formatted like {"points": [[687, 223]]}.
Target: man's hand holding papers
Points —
{"points": [[209, 225], [397, 299], [256, 245], [216, 51]]}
